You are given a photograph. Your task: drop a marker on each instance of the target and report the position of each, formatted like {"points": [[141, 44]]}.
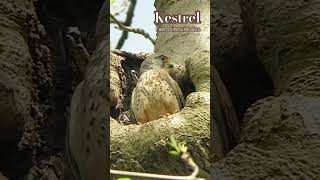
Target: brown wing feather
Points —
{"points": [[174, 85]]}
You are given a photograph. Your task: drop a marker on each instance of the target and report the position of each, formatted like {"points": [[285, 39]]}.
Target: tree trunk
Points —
{"points": [[144, 147], [280, 135]]}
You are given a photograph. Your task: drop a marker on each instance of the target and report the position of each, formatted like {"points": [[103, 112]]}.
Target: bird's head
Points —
{"points": [[156, 61]]}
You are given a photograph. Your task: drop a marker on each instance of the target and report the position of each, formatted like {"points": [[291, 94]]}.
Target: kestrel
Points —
{"points": [[156, 93]]}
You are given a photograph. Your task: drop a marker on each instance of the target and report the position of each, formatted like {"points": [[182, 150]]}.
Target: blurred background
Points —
{"points": [[143, 17]]}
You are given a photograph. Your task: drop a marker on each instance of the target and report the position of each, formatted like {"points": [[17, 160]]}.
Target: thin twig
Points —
{"points": [[152, 176], [131, 29], [186, 157], [128, 21], [112, 22]]}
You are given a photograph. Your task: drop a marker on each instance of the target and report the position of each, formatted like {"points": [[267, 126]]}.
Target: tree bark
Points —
{"points": [[280, 134], [144, 147]]}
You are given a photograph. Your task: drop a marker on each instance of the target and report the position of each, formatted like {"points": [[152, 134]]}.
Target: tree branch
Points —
{"points": [[132, 56], [128, 21], [130, 29]]}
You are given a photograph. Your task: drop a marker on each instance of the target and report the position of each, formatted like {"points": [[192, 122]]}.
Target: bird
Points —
{"points": [[87, 151], [156, 93]]}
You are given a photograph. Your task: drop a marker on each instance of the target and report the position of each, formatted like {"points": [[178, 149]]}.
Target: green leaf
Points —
{"points": [[175, 153], [179, 148], [125, 178], [173, 142]]}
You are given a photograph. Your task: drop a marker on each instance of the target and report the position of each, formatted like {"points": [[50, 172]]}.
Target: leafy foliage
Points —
{"points": [[179, 148]]}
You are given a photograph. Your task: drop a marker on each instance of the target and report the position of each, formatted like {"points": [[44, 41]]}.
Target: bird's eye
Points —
{"points": [[162, 57]]}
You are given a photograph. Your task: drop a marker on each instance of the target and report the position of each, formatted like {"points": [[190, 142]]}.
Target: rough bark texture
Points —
{"points": [[122, 82], [280, 135], [234, 56], [25, 78], [36, 83], [144, 147]]}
